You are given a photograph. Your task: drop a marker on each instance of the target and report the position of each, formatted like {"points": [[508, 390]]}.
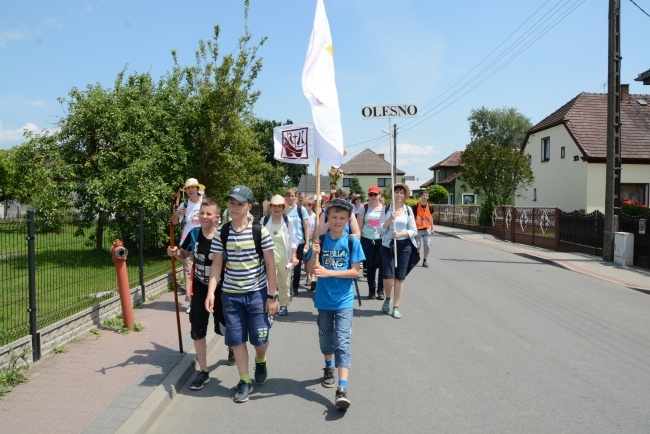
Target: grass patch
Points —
{"points": [[117, 324], [60, 349], [95, 332], [13, 375]]}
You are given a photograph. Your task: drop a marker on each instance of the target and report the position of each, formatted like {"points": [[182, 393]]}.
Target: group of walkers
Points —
{"points": [[244, 272]]}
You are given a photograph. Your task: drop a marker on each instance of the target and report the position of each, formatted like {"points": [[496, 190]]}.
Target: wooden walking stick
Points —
{"points": [[174, 203]]}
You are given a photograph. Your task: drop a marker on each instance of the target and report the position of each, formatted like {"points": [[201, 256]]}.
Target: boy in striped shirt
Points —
{"points": [[249, 288]]}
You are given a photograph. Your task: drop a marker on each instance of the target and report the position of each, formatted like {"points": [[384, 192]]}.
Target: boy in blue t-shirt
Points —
{"points": [[339, 265]]}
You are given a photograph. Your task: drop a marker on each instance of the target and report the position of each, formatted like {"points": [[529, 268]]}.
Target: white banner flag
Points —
{"points": [[294, 143], [319, 87]]}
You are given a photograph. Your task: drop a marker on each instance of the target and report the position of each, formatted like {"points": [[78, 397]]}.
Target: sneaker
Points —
{"points": [[342, 401], [365, 273], [312, 287], [328, 377], [283, 311], [188, 310], [295, 292], [231, 357], [396, 314], [386, 306], [424, 264], [242, 391], [381, 295], [371, 296], [201, 379], [260, 372], [308, 281]]}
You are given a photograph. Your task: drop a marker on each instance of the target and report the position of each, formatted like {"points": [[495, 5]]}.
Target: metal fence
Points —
{"points": [[550, 228], [46, 277]]}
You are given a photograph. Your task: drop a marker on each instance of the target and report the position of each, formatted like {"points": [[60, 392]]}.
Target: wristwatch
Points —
{"points": [[273, 297]]}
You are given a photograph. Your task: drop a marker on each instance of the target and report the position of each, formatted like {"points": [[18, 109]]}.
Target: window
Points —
{"points": [[469, 199], [383, 182], [562, 152], [437, 177], [534, 195], [450, 199], [346, 182], [546, 149], [635, 192]]}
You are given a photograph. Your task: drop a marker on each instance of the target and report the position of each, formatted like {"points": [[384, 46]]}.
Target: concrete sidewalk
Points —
{"points": [[98, 385], [632, 277]]}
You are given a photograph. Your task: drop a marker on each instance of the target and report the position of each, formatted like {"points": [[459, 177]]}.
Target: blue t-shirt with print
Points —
{"points": [[335, 293]]}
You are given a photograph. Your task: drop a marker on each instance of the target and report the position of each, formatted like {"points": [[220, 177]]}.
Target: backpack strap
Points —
{"points": [[257, 238], [299, 211], [194, 235], [184, 207], [265, 220], [322, 240], [286, 219], [350, 242]]}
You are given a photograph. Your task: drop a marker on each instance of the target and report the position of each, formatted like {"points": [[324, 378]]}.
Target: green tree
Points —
{"points": [[7, 194], [497, 173], [501, 127], [45, 180], [355, 187], [221, 141], [438, 193]]}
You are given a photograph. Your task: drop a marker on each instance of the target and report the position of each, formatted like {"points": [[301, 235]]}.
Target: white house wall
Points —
{"points": [[560, 182], [630, 174]]}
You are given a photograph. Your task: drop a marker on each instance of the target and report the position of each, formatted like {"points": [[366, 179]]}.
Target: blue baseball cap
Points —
{"points": [[241, 193]]}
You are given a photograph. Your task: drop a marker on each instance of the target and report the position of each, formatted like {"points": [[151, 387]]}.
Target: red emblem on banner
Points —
{"points": [[294, 144]]}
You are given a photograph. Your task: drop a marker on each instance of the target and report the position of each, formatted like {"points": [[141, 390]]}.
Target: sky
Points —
{"points": [[447, 57]]}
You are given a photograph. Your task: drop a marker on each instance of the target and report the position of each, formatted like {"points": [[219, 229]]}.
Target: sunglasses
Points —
{"points": [[373, 194]]}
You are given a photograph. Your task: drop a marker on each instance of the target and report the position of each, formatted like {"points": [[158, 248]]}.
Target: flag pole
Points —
{"points": [[317, 210], [392, 184]]}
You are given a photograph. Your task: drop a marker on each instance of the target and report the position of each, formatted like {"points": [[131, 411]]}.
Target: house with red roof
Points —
{"points": [[567, 152], [447, 174], [370, 168]]}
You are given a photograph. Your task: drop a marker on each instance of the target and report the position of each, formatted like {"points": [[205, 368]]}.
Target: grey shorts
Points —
{"points": [[423, 239]]}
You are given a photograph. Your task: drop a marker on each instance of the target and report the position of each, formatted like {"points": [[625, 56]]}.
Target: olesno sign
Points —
{"points": [[379, 111]]}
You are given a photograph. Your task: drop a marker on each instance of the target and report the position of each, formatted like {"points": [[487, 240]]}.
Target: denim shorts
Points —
{"points": [[334, 329], [391, 271], [245, 318]]}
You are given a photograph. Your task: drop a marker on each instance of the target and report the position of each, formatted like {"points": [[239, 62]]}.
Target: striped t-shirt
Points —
{"points": [[245, 271]]}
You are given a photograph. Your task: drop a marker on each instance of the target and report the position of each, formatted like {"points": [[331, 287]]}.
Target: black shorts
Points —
{"points": [[199, 317]]}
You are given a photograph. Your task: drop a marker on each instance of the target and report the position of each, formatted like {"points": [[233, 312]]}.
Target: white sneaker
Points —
{"points": [[188, 310], [308, 281]]}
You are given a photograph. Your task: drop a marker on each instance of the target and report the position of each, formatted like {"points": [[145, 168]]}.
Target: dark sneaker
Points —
{"points": [[260, 372], [328, 377], [371, 296], [242, 391], [365, 273], [342, 401], [381, 295], [283, 311], [425, 265], [312, 287], [231, 357], [201, 379], [295, 292]]}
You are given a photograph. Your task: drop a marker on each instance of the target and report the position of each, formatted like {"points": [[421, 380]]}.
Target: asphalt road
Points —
{"points": [[489, 342]]}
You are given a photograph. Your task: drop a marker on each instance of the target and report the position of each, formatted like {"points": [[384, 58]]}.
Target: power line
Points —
{"points": [[640, 8]]}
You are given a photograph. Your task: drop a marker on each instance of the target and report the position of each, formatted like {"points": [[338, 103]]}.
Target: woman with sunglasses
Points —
{"points": [[368, 217]]}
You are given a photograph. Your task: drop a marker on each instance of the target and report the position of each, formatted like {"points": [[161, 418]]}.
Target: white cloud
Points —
{"points": [[10, 36], [10, 138]]}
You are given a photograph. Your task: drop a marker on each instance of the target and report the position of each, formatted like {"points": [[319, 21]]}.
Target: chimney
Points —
{"points": [[625, 92], [381, 156]]}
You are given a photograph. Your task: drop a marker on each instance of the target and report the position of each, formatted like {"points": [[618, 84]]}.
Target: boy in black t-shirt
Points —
{"points": [[198, 243]]}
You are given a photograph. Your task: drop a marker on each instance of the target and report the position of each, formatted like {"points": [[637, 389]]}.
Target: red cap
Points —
{"points": [[374, 189]]}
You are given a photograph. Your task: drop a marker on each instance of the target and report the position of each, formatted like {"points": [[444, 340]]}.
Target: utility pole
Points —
{"points": [[395, 152], [613, 162]]}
